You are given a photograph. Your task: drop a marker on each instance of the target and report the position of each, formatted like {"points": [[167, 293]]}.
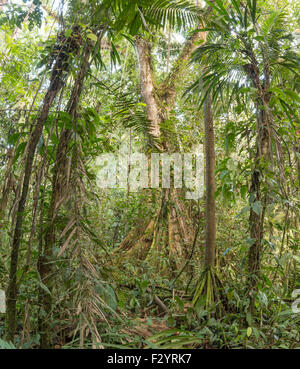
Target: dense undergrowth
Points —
{"points": [[126, 264]]}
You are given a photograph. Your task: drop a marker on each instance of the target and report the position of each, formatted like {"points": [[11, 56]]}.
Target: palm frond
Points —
{"points": [[129, 110], [178, 14], [138, 15], [227, 52]]}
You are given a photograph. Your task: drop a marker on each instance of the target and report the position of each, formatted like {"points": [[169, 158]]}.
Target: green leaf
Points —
{"points": [[180, 303], [243, 211], [20, 150], [250, 241], [249, 331], [12, 139], [44, 287], [107, 294], [244, 190], [68, 33], [92, 37], [6, 345], [249, 318], [252, 198], [257, 207], [293, 95]]}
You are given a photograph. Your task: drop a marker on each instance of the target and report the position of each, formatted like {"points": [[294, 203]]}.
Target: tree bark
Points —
{"points": [[60, 189], [256, 220], [160, 100], [148, 86], [61, 67], [210, 238]]}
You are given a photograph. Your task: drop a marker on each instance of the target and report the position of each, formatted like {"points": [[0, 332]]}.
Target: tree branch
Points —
{"points": [[168, 86], [148, 86]]}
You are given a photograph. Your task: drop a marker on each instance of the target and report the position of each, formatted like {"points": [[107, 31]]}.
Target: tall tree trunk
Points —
{"points": [[261, 162], [160, 100], [209, 287], [60, 190], [148, 86], [256, 219], [210, 238], [59, 70]]}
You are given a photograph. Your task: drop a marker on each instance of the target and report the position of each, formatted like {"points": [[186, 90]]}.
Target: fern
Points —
{"points": [[6, 345]]}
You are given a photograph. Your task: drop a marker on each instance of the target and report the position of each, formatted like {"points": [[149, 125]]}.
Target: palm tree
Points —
{"points": [[245, 56]]}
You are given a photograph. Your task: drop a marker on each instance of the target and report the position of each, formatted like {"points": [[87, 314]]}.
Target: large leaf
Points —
{"points": [[107, 294]]}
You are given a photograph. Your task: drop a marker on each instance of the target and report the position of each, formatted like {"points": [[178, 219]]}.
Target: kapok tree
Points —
{"points": [[171, 233]]}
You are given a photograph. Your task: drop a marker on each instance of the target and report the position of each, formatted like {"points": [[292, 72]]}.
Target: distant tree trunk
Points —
{"points": [[210, 238], [60, 190], [60, 68]]}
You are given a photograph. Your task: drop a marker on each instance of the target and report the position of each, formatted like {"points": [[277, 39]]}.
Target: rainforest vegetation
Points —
{"points": [[99, 255]]}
